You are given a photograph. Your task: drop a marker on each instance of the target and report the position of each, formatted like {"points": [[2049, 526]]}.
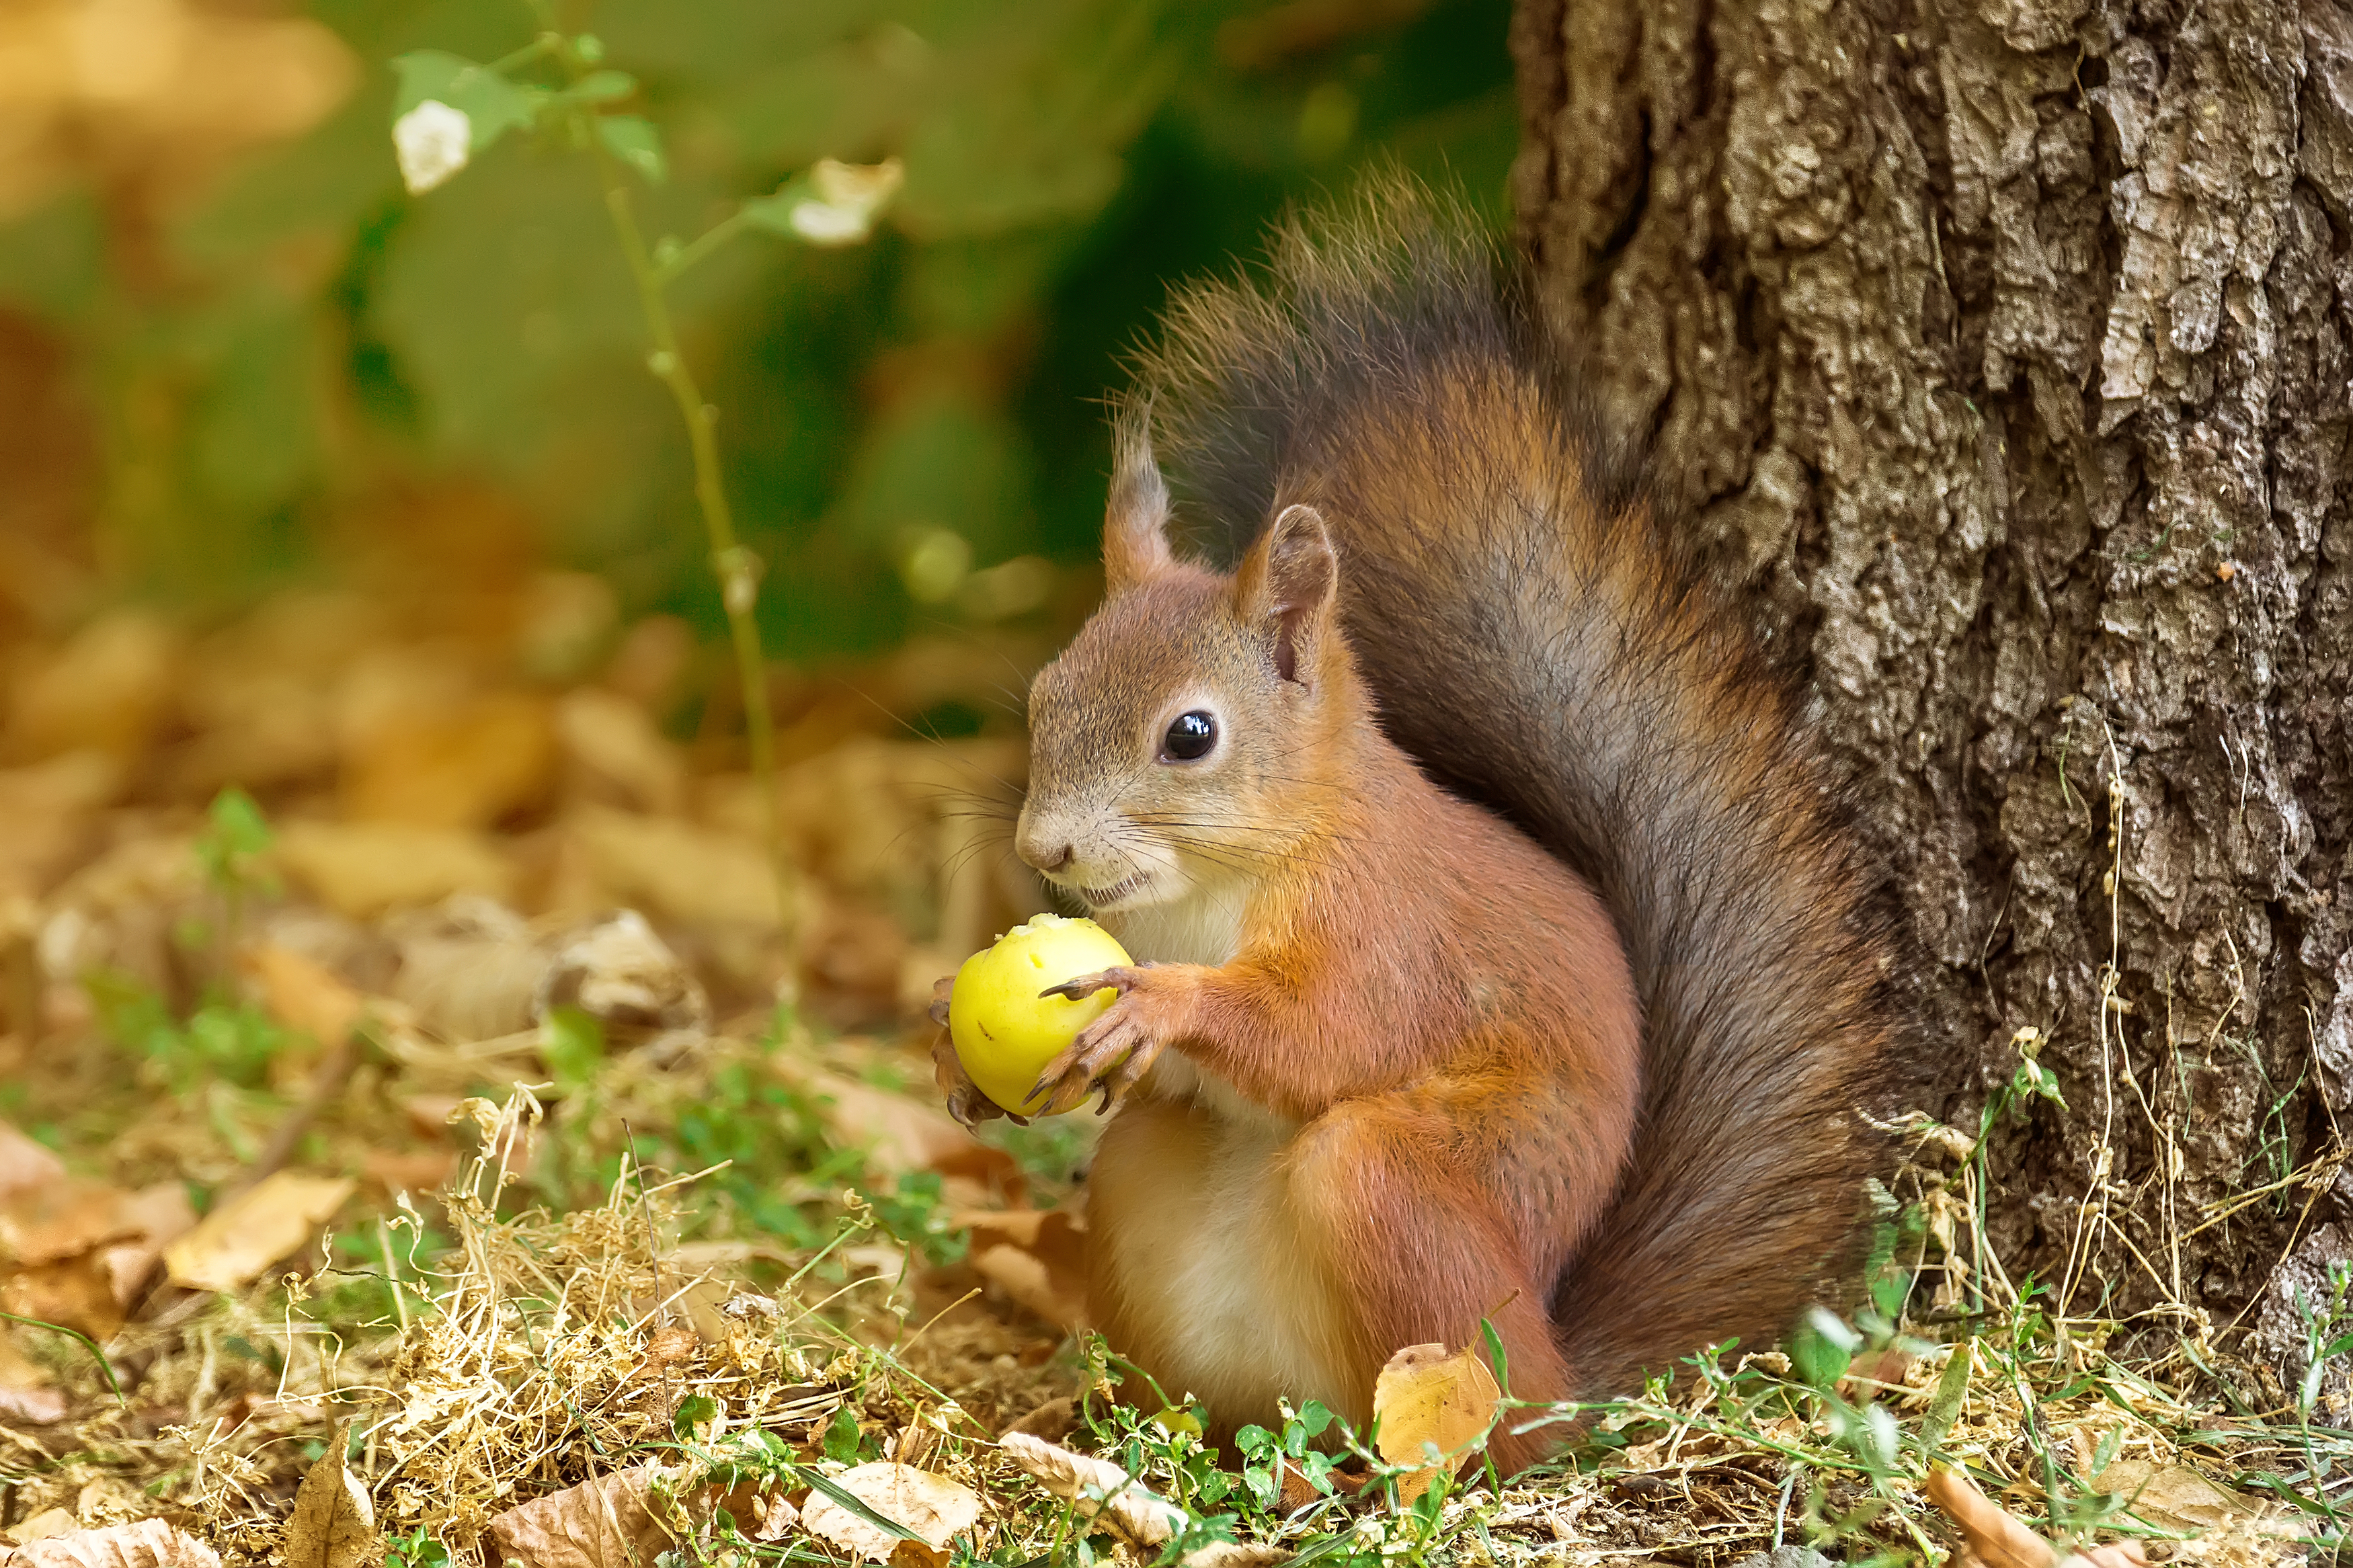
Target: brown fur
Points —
{"points": [[1416, 1070]]}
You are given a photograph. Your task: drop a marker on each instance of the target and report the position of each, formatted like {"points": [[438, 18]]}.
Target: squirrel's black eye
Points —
{"points": [[1190, 737]]}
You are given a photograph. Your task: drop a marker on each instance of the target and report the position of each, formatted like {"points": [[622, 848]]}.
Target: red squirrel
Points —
{"points": [[1499, 955]]}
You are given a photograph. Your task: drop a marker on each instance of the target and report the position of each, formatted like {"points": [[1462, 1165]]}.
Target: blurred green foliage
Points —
{"points": [[263, 356]]}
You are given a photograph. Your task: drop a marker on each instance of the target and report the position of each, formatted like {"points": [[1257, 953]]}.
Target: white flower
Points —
{"points": [[431, 140], [848, 197]]}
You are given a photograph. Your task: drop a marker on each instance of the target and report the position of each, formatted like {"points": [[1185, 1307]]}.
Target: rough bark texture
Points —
{"points": [[2000, 348]]}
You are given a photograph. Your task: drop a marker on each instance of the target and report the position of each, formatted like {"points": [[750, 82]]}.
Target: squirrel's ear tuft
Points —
{"points": [[1135, 524], [1288, 583]]}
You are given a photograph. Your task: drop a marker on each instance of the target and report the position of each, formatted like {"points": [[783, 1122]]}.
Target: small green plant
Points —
{"points": [[232, 852], [229, 1042], [448, 109], [416, 1549]]}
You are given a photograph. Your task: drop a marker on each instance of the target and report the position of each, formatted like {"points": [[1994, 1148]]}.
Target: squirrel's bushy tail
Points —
{"points": [[1535, 638]]}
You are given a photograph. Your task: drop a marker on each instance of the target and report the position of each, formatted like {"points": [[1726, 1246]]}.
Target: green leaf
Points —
{"points": [[842, 1437], [235, 835], [773, 213], [693, 1411], [634, 140], [573, 1042], [1823, 1349], [1951, 1390], [600, 87], [492, 104]]}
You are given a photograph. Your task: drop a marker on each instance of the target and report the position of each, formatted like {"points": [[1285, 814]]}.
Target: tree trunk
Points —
{"points": [[1999, 353]]}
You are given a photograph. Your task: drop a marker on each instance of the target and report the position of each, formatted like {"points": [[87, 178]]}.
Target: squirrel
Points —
{"points": [[1501, 951]]}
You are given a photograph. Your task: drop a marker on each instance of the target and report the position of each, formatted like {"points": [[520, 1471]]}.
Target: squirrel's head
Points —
{"points": [[1185, 737]]}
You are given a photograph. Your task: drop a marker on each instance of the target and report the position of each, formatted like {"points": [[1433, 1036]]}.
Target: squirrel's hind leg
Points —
{"points": [[1423, 1255], [1249, 1261]]}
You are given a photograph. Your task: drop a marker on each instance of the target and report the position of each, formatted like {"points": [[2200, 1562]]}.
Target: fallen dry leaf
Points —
{"points": [[60, 1219], [1100, 1491], [303, 993], [333, 1521], [77, 1292], [150, 1544], [2174, 1495], [1427, 1397], [25, 1396], [103, 691], [156, 1216], [619, 971], [933, 1506], [469, 967], [612, 749], [25, 1163], [1039, 1256], [449, 764], [677, 869], [1991, 1537], [233, 1246], [41, 1526], [605, 1523], [900, 1132], [363, 868]]}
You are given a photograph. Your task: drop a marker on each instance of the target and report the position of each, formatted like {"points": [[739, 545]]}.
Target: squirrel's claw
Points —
{"points": [[942, 989], [966, 1103], [1112, 1054], [1119, 980]]}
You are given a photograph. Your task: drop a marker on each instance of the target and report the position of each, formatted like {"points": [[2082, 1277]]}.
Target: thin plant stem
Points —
{"points": [[737, 569]]}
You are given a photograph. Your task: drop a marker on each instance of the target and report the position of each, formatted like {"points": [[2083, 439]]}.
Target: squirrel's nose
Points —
{"points": [[1045, 859]]}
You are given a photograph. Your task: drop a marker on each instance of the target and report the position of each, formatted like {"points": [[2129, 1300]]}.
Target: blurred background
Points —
{"points": [[350, 558]]}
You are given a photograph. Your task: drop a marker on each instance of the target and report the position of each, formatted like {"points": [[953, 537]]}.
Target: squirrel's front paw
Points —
{"points": [[965, 1101], [1114, 1052]]}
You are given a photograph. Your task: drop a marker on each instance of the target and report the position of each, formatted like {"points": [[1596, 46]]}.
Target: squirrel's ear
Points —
{"points": [[1287, 584], [1135, 524]]}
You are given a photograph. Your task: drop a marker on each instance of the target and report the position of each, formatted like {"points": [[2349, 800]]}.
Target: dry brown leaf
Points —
{"points": [[1051, 1420], [1426, 1396], [677, 869], [2174, 1495], [161, 88], [608, 1522], [158, 1215], [26, 1395], [468, 968], [901, 1133], [237, 1243], [934, 1508], [150, 1544], [25, 1164], [619, 971], [103, 691], [1990, 1536], [302, 993], [363, 868], [49, 1521], [78, 1292], [47, 811], [613, 751], [61, 1219], [458, 764], [1100, 1491], [333, 1521], [1234, 1554], [1058, 1294]]}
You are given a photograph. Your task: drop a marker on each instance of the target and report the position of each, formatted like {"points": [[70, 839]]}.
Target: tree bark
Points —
{"points": [[1998, 349]]}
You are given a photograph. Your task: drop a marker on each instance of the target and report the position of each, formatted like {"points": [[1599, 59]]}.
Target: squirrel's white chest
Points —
{"points": [[1206, 929]]}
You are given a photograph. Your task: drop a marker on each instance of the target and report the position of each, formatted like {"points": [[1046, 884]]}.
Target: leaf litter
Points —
{"points": [[455, 1155]]}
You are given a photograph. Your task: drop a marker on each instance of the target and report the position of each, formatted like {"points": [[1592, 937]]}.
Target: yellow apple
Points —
{"points": [[1005, 1032]]}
